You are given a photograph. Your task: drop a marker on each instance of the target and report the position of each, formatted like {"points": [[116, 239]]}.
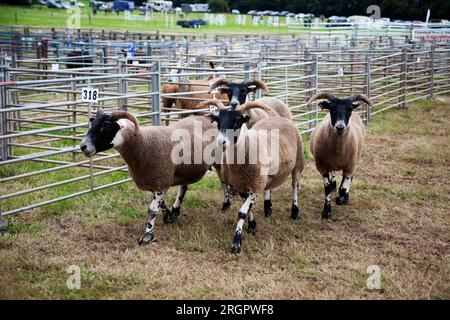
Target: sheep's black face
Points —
{"points": [[229, 123], [100, 136], [237, 94], [340, 113]]}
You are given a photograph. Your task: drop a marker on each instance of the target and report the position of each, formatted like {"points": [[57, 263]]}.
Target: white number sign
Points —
{"points": [[89, 95]]}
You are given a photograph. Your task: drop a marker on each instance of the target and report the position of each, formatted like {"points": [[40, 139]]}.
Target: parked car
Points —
{"points": [[123, 6], [284, 13], [77, 4], [252, 12], [58, 4], [400, 24], [336, 21], [290, 15], [275, 13], [191, 23], [54, 4], [381, 23], [106, 6], [235, 11]]}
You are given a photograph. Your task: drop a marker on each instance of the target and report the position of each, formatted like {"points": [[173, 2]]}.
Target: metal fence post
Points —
{"points": [[5, 149], [430, 95], [105, 55], [156, 98], [246, 68], [4, 154], [315, 84], [367, 84], [259, 75], [122, 84], [403, 71]]}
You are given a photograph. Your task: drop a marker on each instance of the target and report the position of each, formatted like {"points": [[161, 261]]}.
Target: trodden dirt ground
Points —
{"points": [[398, 219]]}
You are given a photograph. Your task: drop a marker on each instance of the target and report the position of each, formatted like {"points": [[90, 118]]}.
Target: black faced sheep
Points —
{"points": [[257, 159], [149, 154], [337, 144]]}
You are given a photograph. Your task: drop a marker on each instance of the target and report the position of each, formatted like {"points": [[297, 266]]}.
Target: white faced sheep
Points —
{"points": [[148, 154], [251, 171], [337, 144]]}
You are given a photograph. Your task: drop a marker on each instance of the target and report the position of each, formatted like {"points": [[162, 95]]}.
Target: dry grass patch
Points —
{"points": [[397, 219]]}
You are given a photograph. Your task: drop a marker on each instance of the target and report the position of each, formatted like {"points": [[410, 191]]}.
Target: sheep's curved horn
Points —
{"points": [[258, 83], [116, 115], [361, 97], [213, 102], [322, 95], [256, 105], [99, 112], [218, 83]]}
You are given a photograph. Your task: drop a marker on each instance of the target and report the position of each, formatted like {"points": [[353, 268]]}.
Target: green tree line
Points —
{"points": [[394, 9]]}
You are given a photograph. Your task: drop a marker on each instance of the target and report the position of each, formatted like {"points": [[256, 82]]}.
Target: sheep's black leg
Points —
{"points": [[226, 197], [231, 191], [333, 181], [153, 210], [251, 221], [267, 203], [295, 211], [178, 201], [328, 187], [344, 190], [237, 239]]}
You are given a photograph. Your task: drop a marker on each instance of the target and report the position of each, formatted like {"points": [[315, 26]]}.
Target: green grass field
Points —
{"points": [[44, 17]]}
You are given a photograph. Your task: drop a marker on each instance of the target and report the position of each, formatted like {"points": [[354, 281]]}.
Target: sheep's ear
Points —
{"points": [[222, 89], [251, 88], [325, 104], [99, 112], [125, 123], [356, 104]]}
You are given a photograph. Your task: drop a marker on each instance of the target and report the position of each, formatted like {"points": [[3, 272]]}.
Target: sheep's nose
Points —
{"points": [[234, 104], [340, 127], [83, 147]]}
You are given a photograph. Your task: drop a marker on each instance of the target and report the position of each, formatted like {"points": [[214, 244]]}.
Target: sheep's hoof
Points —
{"points": [[342, 198], [146, 238], [267, 208], [226, 205], [237, 243], [295, 211], [169, 217], [4, 228], [326, 213], [231, 192], [5, 231], [175, 212], [252, 227]]}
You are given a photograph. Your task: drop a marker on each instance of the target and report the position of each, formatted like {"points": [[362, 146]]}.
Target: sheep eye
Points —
{"points": [[91, 119]]}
